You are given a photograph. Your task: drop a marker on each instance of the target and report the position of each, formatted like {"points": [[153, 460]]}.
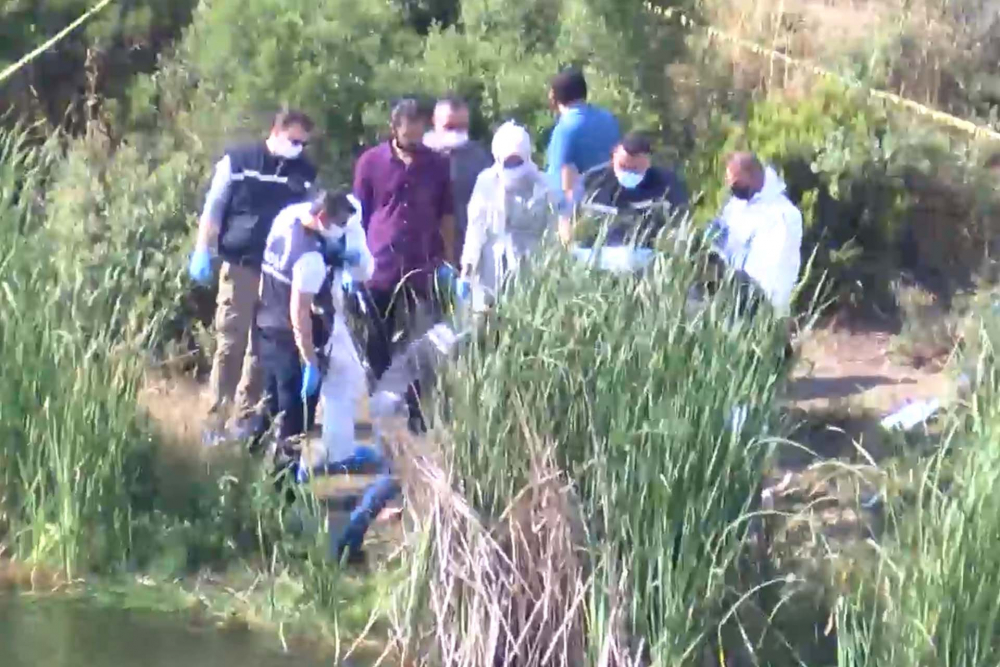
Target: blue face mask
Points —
{"points": [[629, 179]]}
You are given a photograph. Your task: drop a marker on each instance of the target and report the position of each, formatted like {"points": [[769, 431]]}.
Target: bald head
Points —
{"points": [[744, 175]]}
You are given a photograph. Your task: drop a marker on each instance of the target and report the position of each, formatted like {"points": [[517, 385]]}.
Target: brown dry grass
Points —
{"points": [[921, 49], [512, 591]]}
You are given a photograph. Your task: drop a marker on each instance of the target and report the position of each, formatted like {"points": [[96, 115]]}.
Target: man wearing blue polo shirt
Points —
{"points": [[583, 138]]}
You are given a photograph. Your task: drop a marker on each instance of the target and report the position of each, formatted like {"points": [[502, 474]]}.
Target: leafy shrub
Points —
{"points": [[835, 153]]}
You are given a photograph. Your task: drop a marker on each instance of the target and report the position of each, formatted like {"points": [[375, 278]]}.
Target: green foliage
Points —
{"points": [[132, 212], [120, 41], [837, 155], [83, 485], [932, 599]]}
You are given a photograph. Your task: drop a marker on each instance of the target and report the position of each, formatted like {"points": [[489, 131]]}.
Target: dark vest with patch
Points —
{"points": [[285, 246], [262, 185]]}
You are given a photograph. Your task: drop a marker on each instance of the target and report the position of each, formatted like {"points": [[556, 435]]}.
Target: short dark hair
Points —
{"points": [[285, 118], [332, 202], [637, 143], [408, 109], [569, 86]]}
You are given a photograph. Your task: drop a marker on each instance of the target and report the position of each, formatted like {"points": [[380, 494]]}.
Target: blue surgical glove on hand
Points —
{"points": [[200, 267], [446, 276], [310, 380], [463, 289]]}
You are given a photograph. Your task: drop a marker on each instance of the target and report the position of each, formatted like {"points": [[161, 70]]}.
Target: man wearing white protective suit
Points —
{"points": [[510, 211], [305, 338], [760, 230]]}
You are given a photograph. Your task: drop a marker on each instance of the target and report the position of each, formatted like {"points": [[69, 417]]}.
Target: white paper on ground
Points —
{"points": [[912, 414]]}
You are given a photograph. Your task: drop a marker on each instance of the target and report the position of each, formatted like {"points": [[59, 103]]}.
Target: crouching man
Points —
{"points": [[302, 329]]}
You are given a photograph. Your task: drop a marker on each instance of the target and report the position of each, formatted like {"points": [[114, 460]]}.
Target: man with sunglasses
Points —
{"points": [[252, 183]]}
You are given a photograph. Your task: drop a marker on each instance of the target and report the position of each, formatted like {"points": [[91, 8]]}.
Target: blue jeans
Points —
{"points": [[374, 500], [376, 497]]}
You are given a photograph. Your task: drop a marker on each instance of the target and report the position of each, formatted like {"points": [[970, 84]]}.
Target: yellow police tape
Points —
{"points": [[962, 124]]}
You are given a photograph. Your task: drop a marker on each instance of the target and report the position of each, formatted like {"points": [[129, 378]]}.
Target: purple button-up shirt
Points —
{"points": [[402, 208]]}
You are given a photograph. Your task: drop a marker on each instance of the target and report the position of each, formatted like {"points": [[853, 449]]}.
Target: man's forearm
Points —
{"points": [[566, 228], [448, 237]]}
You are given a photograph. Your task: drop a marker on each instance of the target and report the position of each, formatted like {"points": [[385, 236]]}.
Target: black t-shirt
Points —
{"points": [[637, 210]]}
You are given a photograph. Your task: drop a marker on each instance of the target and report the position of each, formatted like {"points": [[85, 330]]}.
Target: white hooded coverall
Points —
{"points": [[510, 210], [763, 237], [345, 381]]}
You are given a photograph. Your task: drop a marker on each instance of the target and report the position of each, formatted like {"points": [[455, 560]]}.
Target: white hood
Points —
{"points": [[764, 239], [773, 186]]}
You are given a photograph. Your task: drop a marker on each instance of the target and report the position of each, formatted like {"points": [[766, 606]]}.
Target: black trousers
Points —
{"points": [[396, 317], [279, 355]]}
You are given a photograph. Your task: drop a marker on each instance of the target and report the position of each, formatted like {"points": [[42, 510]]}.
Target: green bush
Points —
{"points": [[836, 154]]}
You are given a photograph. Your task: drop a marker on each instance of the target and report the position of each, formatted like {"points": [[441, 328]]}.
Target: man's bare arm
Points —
{"points": [[448, 237], [568, 178]]}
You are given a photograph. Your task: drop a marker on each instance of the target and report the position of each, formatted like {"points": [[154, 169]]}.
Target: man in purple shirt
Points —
{"points": [[407, 211]]}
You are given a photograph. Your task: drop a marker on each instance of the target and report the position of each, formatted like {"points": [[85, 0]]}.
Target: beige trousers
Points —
{"points": [[237, 378]]}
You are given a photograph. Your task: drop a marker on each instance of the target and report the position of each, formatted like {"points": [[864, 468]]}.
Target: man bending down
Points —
{"points": [[309, 245]]}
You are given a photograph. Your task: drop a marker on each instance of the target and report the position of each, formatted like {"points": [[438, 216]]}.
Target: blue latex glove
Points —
{"points": [[717, 233], [463, 289], [310, 380], [446, 276], [200, 267]]}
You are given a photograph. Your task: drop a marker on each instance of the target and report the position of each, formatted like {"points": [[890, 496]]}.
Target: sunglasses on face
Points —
{"points": [[299, 142]]}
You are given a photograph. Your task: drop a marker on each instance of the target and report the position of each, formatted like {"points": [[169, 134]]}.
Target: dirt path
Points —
{"points": [[855, 371]]}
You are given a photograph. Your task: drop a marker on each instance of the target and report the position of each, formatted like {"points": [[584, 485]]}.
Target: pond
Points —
{"points": [[73, 633]]}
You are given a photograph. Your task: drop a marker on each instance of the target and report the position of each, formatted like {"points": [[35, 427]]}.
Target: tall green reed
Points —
{"points": [[934, 598], [636, 391], [72, 445]]}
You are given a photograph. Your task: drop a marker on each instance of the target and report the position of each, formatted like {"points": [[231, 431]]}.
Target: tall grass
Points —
{"points": [[82, 485], [933, 600], [73, 445], [611, 398]]}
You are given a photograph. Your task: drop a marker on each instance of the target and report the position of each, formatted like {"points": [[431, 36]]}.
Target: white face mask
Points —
{"points": [[629, 179], [513, 175], [446, 139], [284, 148]]}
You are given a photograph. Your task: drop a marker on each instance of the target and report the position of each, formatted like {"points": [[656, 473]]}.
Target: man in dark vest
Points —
{"points": [[252, 183], [638, 196], [306, 249]]}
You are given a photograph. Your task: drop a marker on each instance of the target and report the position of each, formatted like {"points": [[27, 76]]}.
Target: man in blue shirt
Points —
{"points": [[583, 138]]}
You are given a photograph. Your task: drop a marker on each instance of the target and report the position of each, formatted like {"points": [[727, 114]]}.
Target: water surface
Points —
{"points": [[70, 633]]}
